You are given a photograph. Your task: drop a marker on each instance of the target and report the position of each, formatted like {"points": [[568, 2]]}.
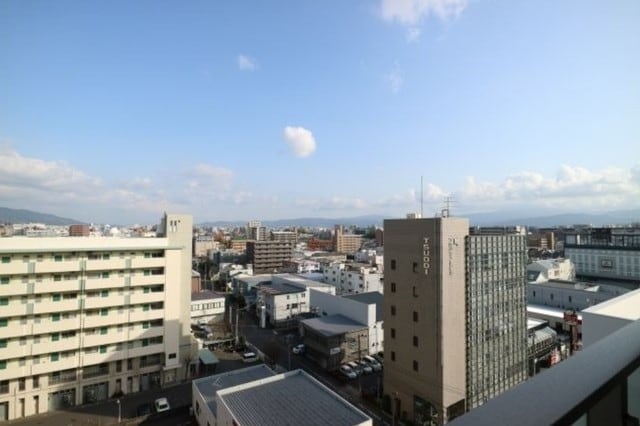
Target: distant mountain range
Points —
{"points": [[8, 215], [620, 217]]}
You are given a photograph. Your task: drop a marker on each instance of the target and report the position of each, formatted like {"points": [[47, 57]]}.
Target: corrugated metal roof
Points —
{"points": [[207, 357], [333, 325], [293, 398], [208, 386]]}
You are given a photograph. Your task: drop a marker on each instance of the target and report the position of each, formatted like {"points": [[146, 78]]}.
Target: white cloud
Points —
{"points": [[411, 12], [300, 140], [395, 80], [413, 34], [246, 63], [572, 188]]}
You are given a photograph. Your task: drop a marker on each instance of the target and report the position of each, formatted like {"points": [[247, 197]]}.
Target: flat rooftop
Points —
{"points": [[280, 288], [210, 385], [205, 295], [333, 325], [292, 398], [370, 298], [626, 306]]}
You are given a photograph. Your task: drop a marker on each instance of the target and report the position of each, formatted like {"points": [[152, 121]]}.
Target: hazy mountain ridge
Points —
{"points": [[620, 217], [8, 215]]}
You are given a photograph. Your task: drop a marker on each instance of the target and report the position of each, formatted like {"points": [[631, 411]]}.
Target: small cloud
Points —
{"points": [[246, 63], [413, 34], [300, 140], [395, 80], [411, 12]]}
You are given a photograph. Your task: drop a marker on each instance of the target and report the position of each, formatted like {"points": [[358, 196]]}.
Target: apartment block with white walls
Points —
{"points": [[84, 318]]}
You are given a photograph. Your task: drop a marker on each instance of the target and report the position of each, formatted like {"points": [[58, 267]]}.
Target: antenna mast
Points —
{"points": [[421, 198]]}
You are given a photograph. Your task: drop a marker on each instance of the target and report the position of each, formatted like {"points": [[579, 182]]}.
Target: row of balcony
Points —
{"points": [[18, 266], [16, 368]]}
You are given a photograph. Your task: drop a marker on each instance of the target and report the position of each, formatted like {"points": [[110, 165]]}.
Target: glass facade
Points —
{"points": [[496, 317]]}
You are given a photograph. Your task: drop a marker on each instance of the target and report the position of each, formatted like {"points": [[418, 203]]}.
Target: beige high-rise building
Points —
{"points": [[424, 317], [82, 318], [346, 243], [455, 317]]}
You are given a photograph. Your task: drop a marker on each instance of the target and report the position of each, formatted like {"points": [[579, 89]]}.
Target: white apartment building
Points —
{"points": [[83, 318], [353, 278]]}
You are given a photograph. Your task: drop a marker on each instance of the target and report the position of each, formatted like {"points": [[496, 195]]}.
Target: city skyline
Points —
{"points": [[235, 111]]}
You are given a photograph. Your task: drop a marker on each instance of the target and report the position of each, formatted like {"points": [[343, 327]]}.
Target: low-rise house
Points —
{"points": [[207, 307]]}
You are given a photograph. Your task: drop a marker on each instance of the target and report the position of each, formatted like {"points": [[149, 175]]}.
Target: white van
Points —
{"points": [[249, 357]]}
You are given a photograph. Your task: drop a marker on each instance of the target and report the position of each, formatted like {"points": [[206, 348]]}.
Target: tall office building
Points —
{"points": [[268, 256], [255, 231], [455, 317], [82, 319]]}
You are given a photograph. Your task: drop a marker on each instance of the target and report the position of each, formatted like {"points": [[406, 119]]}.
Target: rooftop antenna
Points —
{"points": [[421, 198], [446, 211]]}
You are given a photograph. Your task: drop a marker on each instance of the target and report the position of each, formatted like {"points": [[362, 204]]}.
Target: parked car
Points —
{"points": [[365, 367], [347, 372], [298, 349], [249, 357], [162, 405], [375, 365], [355, 367]]}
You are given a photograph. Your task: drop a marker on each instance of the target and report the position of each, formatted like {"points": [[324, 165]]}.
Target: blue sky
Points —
{"points": [[117, 111]]}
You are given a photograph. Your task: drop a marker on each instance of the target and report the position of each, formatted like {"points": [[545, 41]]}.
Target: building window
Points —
{"points": [[4, 280], [105, 275], [393, 287], [55, 337], [36, 382], [569, 299], [55, 317], [6, 259], [57, 258], [415, 341], [55, 356], [22, 383], [415, 291], [103, 330], [3, 365], [393, 309], [415, 316], [3, 343], [103, 349], [415, 365], [415, 266], [104, 293], [534, 293], [56, 297], [393, 264], [393, 355], [104, 312], [551, 296], [393, 333], [172, 355], [4, 301]]}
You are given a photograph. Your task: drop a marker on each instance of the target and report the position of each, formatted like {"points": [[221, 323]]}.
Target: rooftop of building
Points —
{"points": [[206, 295], [548, 311], [626, 306], [333, 325], [208, 386], [274, 288], [292, 398], [581, 285], [370, 298]]}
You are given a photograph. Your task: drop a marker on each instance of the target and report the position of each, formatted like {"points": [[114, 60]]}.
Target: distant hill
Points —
{"points": [[315, 222], [8, 215], [620, 217]]}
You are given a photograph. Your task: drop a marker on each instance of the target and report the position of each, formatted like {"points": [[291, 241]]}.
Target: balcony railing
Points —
{"points": [[597, 386]]}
